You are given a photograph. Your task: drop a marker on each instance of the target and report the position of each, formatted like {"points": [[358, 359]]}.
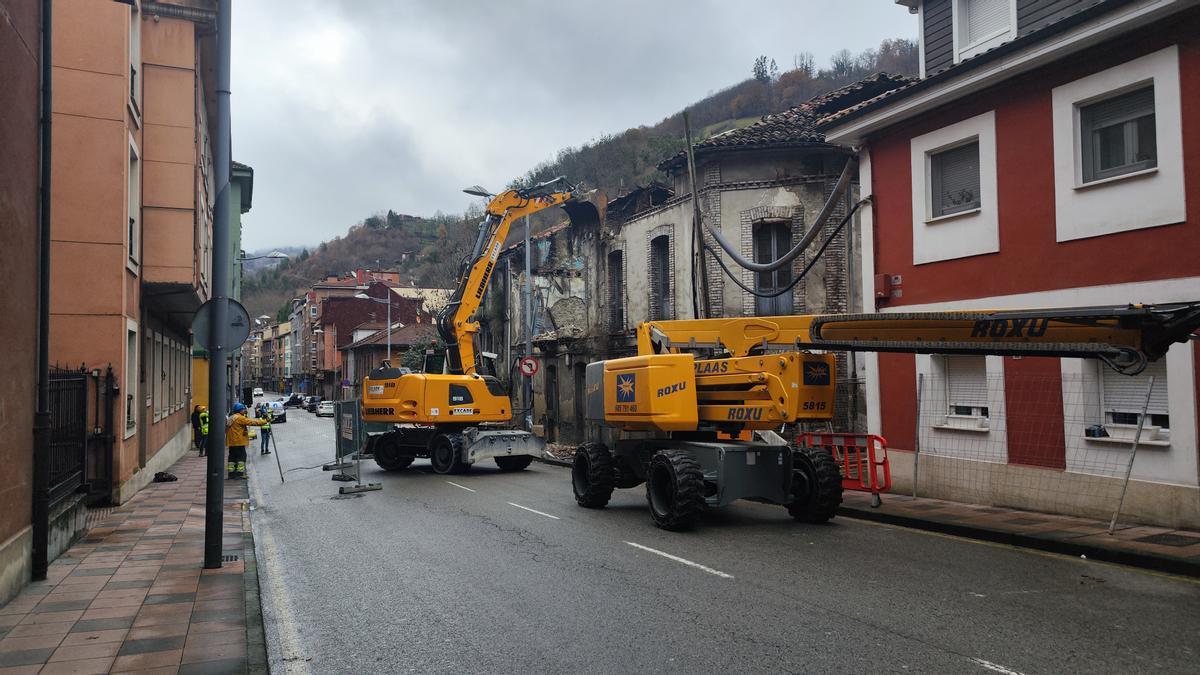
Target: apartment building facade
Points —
{"points": [[1048, 157], [133, 203]]}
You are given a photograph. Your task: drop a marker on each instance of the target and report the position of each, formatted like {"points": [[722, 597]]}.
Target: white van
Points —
{"points": [[258, 392]]}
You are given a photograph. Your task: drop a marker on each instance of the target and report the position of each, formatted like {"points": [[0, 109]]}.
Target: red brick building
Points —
{"points": [[1049, 156]]}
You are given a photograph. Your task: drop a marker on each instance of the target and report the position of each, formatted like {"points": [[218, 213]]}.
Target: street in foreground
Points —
{"points": [[498, 572]]}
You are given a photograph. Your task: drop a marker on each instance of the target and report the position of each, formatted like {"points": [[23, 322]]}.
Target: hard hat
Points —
{"points": [[239, 407]]}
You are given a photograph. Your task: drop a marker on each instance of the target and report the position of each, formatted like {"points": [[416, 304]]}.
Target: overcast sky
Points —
{"points": [[349, 107]]}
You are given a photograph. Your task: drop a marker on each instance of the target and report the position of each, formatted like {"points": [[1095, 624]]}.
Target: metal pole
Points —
{"points": [[697, 223], [528, 327], [917, 437], [1137, 438], [41, 416], [221, 262]]}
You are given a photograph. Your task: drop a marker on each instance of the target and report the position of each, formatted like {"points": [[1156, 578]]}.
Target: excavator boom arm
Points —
{"points": [[456, 322]]}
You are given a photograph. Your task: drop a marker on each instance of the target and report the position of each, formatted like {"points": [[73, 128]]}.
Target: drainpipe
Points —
{"points": [[41, 416], [219, 327]]}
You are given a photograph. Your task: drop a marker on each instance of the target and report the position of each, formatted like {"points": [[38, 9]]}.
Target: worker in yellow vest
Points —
{"points": [[237, 437]]}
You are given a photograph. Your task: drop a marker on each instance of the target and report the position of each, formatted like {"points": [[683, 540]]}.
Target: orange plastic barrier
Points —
{"points": [[863, 458]]}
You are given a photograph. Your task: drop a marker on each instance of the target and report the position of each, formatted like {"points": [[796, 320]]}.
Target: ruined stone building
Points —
{"points": [[616, 263]]}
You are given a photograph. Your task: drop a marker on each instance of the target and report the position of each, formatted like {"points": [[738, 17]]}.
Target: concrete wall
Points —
{"points": [[20, 42]]}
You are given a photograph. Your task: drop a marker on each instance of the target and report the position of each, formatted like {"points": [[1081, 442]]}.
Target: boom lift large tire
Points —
{"points": [[593, 475], [387, 454], [674, 489], [446, 454], [514, 462], [816, 486]]}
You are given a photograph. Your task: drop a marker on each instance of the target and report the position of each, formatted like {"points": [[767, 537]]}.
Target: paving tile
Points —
{"points": [[215, 626], [92, 666], [40, 629], [25, 657], [53, 617], [60, 605], [87, 651], [17, 644], [159, 631], [147, 660], [101, 624], [214, 652], [21, 670], [95, 637], [132, 583], [93, 572], [170, 598], [111, 612], [165, 670], [158, 644], [225, 637]]}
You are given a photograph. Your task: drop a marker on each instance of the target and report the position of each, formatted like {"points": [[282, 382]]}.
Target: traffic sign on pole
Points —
{"points": [[529, 366]]}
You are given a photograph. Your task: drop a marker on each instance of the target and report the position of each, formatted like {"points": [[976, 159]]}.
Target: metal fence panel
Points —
{"points": [[68, 431], [348, 426]]}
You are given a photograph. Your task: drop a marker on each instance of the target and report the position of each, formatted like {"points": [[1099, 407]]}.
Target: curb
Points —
{"points": [[1092, 552], [256, 639]]}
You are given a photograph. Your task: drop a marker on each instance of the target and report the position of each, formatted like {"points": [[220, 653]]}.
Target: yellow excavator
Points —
{"points": [[695, 413], [462, 416]]}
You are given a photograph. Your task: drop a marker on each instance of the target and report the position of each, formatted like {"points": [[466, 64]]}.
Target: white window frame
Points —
{"points": [[1151, 434], [131, 374], [154, 376], [963, 234], [1140, 199], [959, 31], [137, 77], [133, 192]]}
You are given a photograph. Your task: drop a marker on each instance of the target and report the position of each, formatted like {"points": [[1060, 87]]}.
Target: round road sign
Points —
{"points": [[529, 366]]}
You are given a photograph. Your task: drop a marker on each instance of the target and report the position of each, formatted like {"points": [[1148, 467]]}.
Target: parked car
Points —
{"points": [[325, 409], [278, 411], [257, 392], [311, 404]]}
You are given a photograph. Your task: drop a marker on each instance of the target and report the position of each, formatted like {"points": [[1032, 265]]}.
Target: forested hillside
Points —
{"points": [[427, 250]]}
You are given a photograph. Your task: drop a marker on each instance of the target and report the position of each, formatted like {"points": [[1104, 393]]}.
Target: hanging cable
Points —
{"points": [[787, 289], [841, 186]]}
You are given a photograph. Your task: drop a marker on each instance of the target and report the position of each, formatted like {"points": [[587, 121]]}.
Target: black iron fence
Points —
{"points": [[68, 431]]}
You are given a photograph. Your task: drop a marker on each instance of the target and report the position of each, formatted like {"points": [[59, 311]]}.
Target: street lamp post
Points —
{"points": [[364, 296]]}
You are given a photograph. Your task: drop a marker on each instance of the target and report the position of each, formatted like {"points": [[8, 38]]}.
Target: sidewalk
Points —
{"points": [[1159, 548], [132, 595]]}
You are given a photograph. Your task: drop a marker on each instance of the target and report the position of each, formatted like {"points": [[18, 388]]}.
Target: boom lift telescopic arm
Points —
{"points": [[1125, 336], [456, 322]]}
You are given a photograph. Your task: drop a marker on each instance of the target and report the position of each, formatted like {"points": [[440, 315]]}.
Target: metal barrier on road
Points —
{"points": [[863, 458]]}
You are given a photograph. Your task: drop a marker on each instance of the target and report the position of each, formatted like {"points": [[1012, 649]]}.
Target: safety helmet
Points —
{"points": [[239, 407]]}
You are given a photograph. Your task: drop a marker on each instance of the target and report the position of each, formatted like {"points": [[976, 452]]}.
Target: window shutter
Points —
{"points": [[956, 179], [966, 381], [985, 18], [1123, 393], [1120, 108]]}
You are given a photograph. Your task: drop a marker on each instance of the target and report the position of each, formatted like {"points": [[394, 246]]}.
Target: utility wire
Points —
{"points": [[841, 186], [808, 267]]}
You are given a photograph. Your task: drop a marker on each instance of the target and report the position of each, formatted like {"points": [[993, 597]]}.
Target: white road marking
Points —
{"points": [[677, 559], [995, 667], [460, 486], [534, 511]]}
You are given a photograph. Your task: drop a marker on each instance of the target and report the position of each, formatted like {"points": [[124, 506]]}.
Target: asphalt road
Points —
{"points": [[503, 573]]}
